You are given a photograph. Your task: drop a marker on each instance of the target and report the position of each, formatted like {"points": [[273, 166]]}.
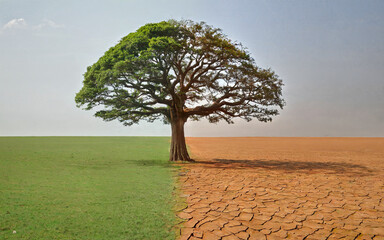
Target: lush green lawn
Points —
{"points": [[85, 188]]}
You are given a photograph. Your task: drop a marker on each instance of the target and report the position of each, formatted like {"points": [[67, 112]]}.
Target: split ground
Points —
{"points": [[240, 188]]}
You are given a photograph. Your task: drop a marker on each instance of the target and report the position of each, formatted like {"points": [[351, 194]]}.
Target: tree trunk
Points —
{"points": [[178, 150]]}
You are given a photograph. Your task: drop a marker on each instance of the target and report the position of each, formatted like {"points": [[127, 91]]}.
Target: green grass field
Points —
{"points": [[86, 188]]}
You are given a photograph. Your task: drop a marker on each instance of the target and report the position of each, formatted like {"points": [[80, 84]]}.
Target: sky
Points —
{"points": [[329, 54]]}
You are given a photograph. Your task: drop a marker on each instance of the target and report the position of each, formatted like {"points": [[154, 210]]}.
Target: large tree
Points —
{"points": [[179, 70]]}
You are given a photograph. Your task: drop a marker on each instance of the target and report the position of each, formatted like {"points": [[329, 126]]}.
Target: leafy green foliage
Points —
{"points": [[179, 69], [85, 188]]}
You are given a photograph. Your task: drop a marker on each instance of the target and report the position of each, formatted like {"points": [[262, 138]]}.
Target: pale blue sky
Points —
{"points": [[330, 55]]}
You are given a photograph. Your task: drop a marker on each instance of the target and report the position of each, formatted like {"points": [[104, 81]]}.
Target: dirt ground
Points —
{"points": [[278, 188]]}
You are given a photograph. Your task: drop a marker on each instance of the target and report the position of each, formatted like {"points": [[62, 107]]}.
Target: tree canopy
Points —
{"points": [[179, 70]]}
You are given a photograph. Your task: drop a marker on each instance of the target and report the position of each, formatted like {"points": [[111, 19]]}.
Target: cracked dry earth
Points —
{"points": [[284, 188]]}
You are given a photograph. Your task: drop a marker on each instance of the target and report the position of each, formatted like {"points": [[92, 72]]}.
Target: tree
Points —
{"points": [[179, 70]]}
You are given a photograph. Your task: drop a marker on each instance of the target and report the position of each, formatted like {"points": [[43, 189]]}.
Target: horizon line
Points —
{"points": [[6, 136]]}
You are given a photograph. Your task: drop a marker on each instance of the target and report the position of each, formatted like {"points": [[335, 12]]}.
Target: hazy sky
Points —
{"points": [[330, 55]]}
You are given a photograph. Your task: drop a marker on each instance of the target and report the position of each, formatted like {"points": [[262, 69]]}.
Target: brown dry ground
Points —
{"points": [[277, 188]]}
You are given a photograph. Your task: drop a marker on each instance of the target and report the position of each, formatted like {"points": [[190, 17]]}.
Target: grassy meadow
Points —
{"points": [[85, 188]]}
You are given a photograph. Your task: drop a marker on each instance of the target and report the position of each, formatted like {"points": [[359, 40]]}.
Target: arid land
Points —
{"points": [[277, 188]]}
